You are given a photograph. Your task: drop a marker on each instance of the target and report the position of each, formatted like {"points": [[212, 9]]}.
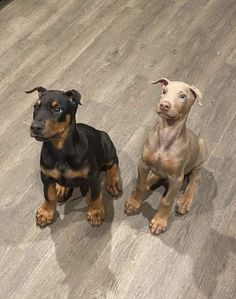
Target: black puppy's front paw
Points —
{"points": [[96, 211], [44, 215]]}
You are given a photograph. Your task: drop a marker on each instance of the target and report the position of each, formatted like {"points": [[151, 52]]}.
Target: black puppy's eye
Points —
{"points": [[58, 109]]}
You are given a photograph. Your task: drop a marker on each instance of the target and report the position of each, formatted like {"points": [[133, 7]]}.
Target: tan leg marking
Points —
{"points": [[113, 180], [45, 214], [96, 210]]}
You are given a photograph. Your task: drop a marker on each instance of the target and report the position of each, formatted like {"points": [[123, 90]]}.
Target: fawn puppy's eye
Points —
{"points": [[164, 91], [58, 109], [183, 97]]}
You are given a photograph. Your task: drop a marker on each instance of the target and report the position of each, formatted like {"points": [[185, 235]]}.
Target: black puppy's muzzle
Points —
{"points": [[36, 130]]}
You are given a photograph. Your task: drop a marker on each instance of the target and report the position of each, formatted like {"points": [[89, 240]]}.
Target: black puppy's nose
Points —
{"points": [[36, 128], [165, 105]]}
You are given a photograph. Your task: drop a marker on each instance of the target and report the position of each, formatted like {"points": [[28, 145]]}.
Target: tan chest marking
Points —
{"points": [[77, 173], [54, 173], [70, 174]]}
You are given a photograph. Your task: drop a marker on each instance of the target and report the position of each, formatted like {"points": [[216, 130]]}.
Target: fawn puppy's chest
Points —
{"points": [[162, 160]]}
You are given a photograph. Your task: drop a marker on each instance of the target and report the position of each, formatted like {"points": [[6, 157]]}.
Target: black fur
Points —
{"points": [[84, 146]]}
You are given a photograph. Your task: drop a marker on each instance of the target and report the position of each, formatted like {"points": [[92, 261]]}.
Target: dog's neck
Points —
{"points": [[168, 131], [66, 138]]}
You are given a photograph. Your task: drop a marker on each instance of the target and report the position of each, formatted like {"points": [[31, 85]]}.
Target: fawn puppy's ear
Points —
{"points": [[39, 89], [162, 81], [74, 96], [197, 94]]}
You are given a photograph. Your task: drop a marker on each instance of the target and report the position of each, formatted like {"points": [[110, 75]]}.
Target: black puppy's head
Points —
{"points": [[54, 111]]}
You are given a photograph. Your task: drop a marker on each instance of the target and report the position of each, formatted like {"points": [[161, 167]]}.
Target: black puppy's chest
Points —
{"points": [[65, 172], [62, 167]]}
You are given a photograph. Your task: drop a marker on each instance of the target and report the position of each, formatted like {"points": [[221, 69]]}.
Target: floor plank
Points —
{"points": [[111, 51]]}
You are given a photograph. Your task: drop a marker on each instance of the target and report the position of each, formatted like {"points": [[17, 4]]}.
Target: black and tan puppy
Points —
{"points": [[72, 155]]}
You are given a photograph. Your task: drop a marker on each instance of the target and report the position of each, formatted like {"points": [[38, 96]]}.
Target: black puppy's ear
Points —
{"points": [[74, 96], [39, 89]]}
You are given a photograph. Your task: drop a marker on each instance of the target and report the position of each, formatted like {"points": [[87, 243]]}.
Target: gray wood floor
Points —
{"points": [[110, 51]]}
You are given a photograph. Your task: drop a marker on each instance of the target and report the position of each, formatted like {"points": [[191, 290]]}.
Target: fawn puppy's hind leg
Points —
{"points": [[186, 199], [134, 202], [152, 180]]}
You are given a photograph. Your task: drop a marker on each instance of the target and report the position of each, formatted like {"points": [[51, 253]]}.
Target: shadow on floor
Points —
{"points": [[79, 247], [4, 3], [194, 236]]}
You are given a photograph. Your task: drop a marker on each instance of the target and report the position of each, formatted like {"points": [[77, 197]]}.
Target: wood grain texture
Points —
{"points": [[111, 51]]}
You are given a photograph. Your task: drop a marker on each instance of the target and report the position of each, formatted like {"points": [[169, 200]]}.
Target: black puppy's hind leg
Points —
{"points": [[63, 193], [96, 209], [113, 179]]}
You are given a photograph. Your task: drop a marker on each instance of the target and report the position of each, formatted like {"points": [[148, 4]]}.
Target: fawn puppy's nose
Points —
{"points": [[165, 106]]}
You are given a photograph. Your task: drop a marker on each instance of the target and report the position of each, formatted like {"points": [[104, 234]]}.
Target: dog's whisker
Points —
{"points": [[25, 123]]}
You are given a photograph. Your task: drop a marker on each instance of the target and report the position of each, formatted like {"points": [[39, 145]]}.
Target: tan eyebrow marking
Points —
{"points": [[54, 104]]}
